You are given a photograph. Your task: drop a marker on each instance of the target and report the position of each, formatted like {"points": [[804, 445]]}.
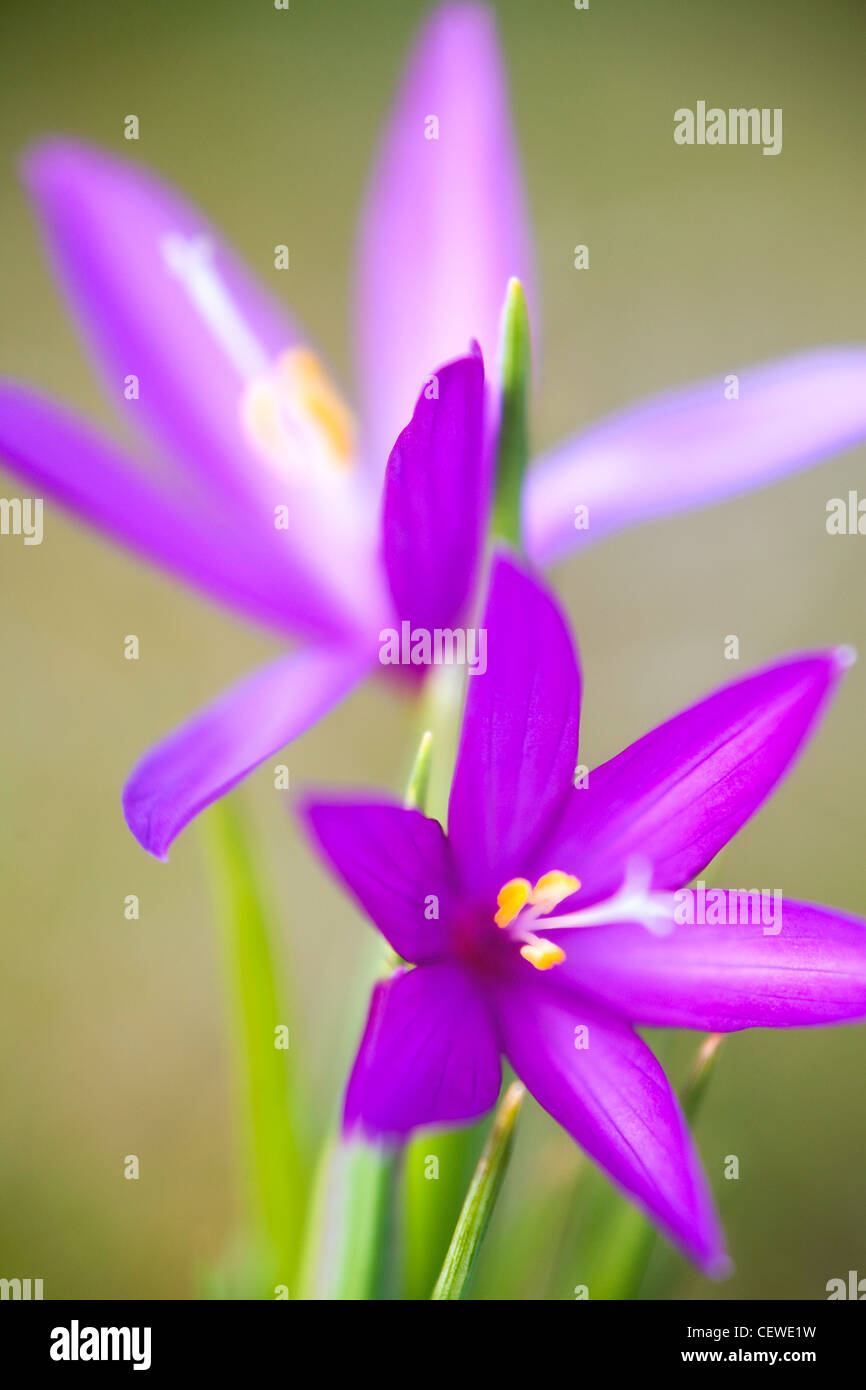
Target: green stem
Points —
{"points": [[703, 1066], [348, 1227], [474, 1218], [512, 453], [441, 706], [418, 785], [437, 1167], [274, 1166]]}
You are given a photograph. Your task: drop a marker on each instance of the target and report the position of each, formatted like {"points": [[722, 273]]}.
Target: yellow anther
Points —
{"points": [[295, 406], [302, 371], [512, 897], [552, 889], [542, 954]]}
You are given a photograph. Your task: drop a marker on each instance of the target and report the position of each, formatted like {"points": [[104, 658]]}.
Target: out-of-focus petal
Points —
{"points": [[675, 797], [428, 1056], [602, 1084], [436, 486], [119, 239], [444, 225], [798, 966], [208, 755], [397, 866], [518, 745], [694, 446], [253, 571]]}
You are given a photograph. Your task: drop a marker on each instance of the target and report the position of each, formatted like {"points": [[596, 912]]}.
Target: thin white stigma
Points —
{"points": [[634, 901], [191, 261]]}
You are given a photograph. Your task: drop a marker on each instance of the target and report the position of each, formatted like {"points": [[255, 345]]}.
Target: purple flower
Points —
{"points": [[249, 478], [553, 918]]}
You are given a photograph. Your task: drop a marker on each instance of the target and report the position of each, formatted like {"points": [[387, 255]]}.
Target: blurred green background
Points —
{"points": [[114, 1037]]}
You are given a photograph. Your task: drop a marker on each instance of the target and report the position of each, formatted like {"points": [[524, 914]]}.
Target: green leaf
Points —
{"points": [[474, 1218], [512, 453], [273, 1149], [350, 1217], [432, 1200]]}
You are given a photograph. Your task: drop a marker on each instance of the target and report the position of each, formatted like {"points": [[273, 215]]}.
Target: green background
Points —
{"points": [[702, 260]]}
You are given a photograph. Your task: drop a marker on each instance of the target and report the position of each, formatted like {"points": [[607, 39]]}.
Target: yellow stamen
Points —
{"points": [[295, 405], [552, 889], [542, 954], [512, 897], [303, 369]]}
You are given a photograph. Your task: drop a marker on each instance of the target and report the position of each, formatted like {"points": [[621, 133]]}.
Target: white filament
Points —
{"points": [[191, 261], [634, 901]]}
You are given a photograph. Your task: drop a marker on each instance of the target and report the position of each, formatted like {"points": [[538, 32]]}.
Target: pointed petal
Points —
{"points": [[396, 864], [89, 475], [518, 745], [428, 1056], [116, 235], [675, 797], [691, 447], [609, 1093], [804, 965], [444, 225], [214, 750], [436, 487]]}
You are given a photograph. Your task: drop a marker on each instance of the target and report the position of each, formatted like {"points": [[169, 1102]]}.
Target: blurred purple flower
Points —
{"points": [[244, 432], [556, 975]]}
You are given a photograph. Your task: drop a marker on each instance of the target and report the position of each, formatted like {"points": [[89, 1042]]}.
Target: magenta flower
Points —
{"points": [[250, 479], [552, 919]]}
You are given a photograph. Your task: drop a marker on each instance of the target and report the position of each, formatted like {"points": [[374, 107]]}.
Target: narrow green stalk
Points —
{"points": [[419, 778], [441, 706], [512, 453], [703, 1066], [437, 1167], [474, 1218], [629, 1239], [274, 1167]]}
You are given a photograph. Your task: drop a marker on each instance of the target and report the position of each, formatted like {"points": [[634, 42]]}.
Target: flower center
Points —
{"points": [[295, 418], [291, 413], [519, 904]]}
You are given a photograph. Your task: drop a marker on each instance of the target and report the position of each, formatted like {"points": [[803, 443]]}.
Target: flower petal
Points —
{"points": [[428, 1056], [436, 486], [675, 797], [116, 235], [396, 864], [518, 745], [602, 1084], [444, 225], [690, 447], [208, 755], [57, 453], [805, 966]]}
